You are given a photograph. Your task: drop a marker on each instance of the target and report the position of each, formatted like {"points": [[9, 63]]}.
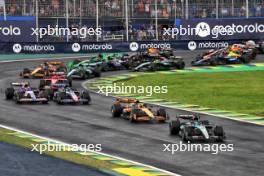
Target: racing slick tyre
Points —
{"points": [[50, 94], [162, 112], [133, 118], [187, 134], [219, 131], [83, 76], [25, 71], [180, 65], [97, 73], [261, 49], [213, 62], [254, 53], [9, 93], [86, 96], [42, 84], [116, 110], [44, 94], [245, 59], [153, 68], [69, 81], [60, 97], [105, 68], [174, 127]]}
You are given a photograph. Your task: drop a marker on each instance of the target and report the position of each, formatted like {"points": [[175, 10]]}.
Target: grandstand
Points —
{"points": [[140, 19]]}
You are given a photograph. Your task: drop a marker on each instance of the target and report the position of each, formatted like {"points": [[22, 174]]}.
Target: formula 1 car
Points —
{"points": [[69, 95], [110, 56], [53, 84], [113, 65], [44, 70], [107, 62], [164, 65], [113, 61], [135, 111], [235, 54], [77, 62], [190, 128], [23, 93], [55, 66], [85, 71], [154, 55]]}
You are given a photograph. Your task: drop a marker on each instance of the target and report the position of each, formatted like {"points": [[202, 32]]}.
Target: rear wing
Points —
{"points": [[59, 77], [19, 84], [188, 117], [55, 63], [127, 100]]}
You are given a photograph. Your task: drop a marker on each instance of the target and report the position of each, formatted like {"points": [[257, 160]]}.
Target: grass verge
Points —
{"points": [[237, 91], [76, 158]]}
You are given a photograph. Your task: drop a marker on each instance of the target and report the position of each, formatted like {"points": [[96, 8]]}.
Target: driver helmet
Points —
{"points": [[141, 105]]}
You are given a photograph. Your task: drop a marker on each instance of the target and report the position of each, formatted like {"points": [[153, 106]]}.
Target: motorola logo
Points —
{"points": [[134, 46], [76, 47], [192, 45], [17, 48]]}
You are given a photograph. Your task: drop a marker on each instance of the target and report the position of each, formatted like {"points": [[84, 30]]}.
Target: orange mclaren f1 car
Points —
{"points": [[45, 69], [135, 111]]}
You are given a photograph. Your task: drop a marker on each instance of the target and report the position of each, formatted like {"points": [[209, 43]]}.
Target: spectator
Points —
{"points": [[151, 32], [258, 10], [204, 14], [243, 11]]}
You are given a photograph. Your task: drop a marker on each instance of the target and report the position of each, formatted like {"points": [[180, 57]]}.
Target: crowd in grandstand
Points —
{"points": [[137, 8]]}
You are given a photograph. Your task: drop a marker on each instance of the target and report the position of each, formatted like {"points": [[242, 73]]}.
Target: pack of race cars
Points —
{"points": [[187, 127], [234, 54], [150, 60], [56, 85]]}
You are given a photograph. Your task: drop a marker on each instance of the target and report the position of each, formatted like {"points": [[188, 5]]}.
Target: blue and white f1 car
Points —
{"points": [[190, 128]]}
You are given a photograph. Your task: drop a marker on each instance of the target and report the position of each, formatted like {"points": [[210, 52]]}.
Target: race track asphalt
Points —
{"points": [[139, 142], [16, 161]]}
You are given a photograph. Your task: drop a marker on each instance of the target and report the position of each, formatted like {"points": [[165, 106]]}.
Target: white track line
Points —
{"points": [[100, 153]]}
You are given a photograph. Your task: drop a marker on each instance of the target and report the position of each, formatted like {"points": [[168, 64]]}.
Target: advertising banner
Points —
{"points": [[217, 29], [17, 31], [98, 47]]}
